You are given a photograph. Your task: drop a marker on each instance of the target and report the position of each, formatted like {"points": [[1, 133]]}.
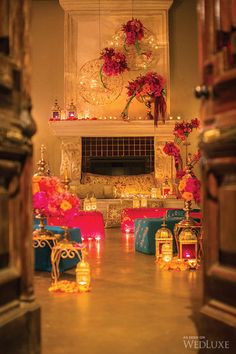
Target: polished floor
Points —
{"points": [[133, 308]]}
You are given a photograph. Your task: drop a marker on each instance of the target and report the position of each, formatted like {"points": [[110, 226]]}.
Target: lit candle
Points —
{"points": [[66, 173]]}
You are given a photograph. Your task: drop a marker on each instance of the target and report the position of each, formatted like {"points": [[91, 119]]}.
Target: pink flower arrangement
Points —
{"points": [[189, 188], [49, 198], [149, 85], [114, 62], [134, 32], [183, 129]]}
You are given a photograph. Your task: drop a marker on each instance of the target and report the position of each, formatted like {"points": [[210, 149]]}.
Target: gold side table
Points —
{"points": [[64, 249], [197, 229], [44, 240]]}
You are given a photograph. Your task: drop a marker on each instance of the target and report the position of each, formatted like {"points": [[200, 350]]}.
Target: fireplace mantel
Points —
{"points": [[71, 133], [112, 128]]}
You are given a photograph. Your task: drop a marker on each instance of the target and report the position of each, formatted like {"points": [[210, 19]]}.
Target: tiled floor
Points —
{"points": [[133, 308]]}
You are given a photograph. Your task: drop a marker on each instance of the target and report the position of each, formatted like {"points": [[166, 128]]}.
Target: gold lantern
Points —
{"points": [[188, 244], [166, 252], [93, 202], [163, 236], [83, 276], [72, 111], [166, 188], [56, 111], [87, 204]]}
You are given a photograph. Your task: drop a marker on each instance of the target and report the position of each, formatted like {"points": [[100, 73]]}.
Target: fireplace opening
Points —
{"points": [[118, 156], [115, 166]]}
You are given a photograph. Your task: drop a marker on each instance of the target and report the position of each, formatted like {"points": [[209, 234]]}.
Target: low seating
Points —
{"points": [[42, 261], [91, 224], [130, 214]]}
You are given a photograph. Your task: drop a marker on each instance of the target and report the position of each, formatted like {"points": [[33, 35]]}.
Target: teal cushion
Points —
{"points": [[42, 260]]}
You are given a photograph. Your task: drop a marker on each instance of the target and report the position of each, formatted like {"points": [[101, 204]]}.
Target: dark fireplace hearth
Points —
{"points": [[116, 166], [118, 156]]}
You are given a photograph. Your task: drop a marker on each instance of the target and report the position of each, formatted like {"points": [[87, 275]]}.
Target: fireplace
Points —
{"points": [[119, 166], [118, 156], [84, 140]]}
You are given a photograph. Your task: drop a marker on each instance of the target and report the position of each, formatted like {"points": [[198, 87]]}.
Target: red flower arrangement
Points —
{"points": [[171, 149], [151, 86], [134, 32], [182, 130], [114, 62], [49, 198]]}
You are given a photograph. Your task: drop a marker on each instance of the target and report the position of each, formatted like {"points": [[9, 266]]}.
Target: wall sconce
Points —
{"points": [[188, 244], [83, 276], [163, 236]]}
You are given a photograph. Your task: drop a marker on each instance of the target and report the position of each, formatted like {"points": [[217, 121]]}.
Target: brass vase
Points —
{"points": [[188, 221], [41, 231], [147, 100]]}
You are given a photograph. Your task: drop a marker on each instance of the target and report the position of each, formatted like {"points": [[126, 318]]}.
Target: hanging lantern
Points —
{"points": [[163, 236], [166, 252], [72, 111], [87, 204], [83, 276], [56, 111], [93, 202], [166, 188], [188, 244]]}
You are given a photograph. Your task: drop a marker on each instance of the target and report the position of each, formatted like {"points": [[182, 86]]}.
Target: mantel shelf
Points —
{"points": [[111, 128]]}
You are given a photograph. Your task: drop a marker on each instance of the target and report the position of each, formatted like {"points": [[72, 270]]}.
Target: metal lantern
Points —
{"points": [[72, 111], [56, 111], [166, 252], [163, 236], [83, 276], [188, 244], [166, 188], [93, 202], [87, 204]]}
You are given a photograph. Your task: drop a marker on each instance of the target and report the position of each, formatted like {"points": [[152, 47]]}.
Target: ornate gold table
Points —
{"points": [[44, 240], [65, 249]]}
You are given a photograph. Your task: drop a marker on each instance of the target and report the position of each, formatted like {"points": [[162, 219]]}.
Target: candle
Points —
{"points": [[66, 173], [188, 251]]}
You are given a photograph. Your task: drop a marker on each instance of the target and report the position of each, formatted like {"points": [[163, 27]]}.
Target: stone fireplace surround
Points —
{"points": [[71, 132]]}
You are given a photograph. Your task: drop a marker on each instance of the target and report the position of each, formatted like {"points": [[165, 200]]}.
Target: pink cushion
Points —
{"points": [[130, 214], [91, 224]]}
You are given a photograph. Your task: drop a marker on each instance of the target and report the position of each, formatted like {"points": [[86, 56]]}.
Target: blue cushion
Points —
{"points": [[42, 255]]}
